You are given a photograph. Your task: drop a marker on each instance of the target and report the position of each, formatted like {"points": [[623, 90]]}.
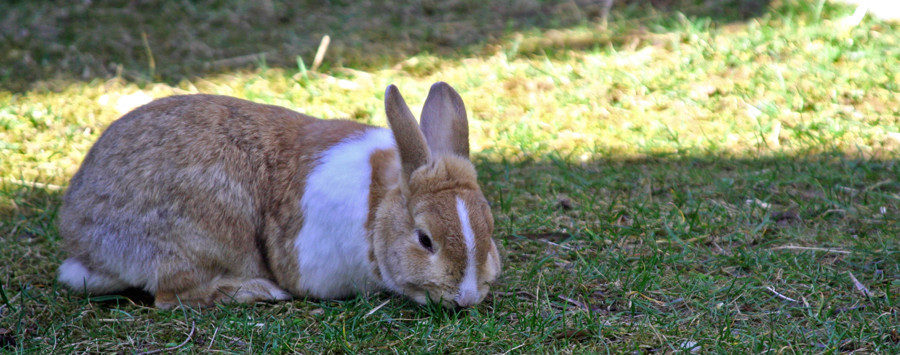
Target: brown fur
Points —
{"points": [[196, 200], [256, 176], [385, 177]]}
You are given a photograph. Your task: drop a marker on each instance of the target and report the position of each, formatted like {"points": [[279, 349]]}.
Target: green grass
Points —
{"points": [[689, 175]]}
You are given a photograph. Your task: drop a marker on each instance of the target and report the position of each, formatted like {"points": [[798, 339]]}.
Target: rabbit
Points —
{"points": [[204, 199]]}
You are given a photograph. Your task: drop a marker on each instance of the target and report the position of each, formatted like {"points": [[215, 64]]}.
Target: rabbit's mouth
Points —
{"points": [[423, 294]]}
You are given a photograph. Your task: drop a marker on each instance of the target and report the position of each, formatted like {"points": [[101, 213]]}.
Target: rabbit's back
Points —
{"points": [[180, 188]]}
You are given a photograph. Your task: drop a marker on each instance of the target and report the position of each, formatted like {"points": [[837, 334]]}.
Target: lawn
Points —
{"points": [[681, 176]]}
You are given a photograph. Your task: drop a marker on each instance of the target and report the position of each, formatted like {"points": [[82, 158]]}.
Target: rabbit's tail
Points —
{"points": [[75, 275]]}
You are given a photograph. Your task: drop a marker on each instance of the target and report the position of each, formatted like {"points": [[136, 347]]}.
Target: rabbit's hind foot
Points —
{"points": [[223, 290]]}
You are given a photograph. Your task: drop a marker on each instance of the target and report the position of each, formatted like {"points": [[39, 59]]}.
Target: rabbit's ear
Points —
{"points": [[444, 121], [410, 141]]}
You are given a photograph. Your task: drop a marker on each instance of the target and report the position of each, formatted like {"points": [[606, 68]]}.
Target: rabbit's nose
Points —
{"points": [[466, 298]]}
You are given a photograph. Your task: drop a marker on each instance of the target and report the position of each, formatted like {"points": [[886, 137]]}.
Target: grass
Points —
{"points": [[688, 177]]}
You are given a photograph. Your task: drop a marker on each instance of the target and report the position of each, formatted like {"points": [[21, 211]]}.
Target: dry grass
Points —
{"points": [[712, 174]]}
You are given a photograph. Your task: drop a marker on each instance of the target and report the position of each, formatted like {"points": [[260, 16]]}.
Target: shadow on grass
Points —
{"points": [[54, 42], [31, 246], [829, 200], [609, 243], [632, 239], [559, 198], [28, 212]]}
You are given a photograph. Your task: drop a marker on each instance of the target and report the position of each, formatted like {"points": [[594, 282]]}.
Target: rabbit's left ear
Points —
{"points": [[444, 122], [410, 142]]}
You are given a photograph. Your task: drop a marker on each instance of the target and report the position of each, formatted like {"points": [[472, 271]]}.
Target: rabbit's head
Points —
{"points": [[435, 229]]}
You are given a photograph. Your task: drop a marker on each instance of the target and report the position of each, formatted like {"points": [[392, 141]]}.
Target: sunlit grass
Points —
{"points": [[692, 89], [659, 183]]}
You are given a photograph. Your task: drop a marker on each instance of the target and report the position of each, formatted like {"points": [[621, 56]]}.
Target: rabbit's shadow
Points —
{"points": [[134, 296]]}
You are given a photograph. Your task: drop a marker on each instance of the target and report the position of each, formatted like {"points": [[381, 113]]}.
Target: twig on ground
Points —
{"points": [[354, 72], [320, 53], [832, 211], [651, 299], [847, 189], [376, 309], [236, 61], [553, 244], [796, 247], [758, 203], [521, 294], [859, 286], [604, 13], [39, 185], [151, 62], [514, 348], [848, 309], [574, 302], [878, 184], [191, 335], [213, 340], [679, 300], [719, 248], [780, 295]]}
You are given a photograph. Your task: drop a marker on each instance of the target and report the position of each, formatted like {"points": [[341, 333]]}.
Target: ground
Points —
{"points": [[679, 176]]}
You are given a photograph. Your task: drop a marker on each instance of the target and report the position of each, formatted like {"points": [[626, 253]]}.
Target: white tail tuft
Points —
{"points": [[77, 277]]}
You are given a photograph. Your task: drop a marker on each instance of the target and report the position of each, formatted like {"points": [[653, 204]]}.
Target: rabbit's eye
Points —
{"points": [[425, 241]]}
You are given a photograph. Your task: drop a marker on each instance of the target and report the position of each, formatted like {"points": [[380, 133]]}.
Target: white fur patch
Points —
{"points": [[332, 249], [77, 277], [468, 287]]}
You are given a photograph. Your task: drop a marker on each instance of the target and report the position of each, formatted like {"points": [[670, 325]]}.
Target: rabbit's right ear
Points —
{"points": [[444, 121], [410, 141]]}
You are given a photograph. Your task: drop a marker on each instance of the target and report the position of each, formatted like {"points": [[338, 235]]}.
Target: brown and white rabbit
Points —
{"points": [[200, 199]]}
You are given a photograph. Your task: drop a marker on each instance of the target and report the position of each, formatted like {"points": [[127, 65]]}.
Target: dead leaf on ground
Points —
{"points": [[316, 312], [565, 202], [785, 218], [624, 221]]}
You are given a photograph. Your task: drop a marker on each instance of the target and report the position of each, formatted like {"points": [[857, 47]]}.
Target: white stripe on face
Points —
{"points": [[468, 287]]}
